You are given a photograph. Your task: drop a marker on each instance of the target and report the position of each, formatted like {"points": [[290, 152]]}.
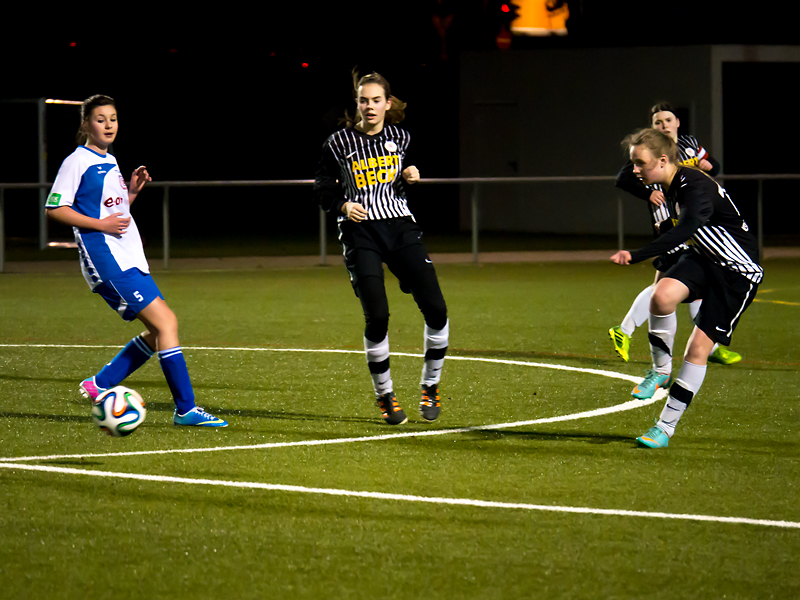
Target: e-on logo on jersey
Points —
{"points": [[373, 171]]}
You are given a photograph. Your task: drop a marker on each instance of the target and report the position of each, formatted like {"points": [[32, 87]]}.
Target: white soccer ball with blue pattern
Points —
{"points": [[118, 411]]}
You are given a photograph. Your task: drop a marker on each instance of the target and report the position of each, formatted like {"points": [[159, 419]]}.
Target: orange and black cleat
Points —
{"points": [[390, 409], [430, 406]]}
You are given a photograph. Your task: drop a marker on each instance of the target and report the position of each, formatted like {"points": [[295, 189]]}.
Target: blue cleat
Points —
{"points": [[648, 386], [654, 438], [197, 417]]}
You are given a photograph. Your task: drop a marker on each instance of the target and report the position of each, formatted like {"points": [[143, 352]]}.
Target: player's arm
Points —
{"points": [[328, 191], [629, 182], [139, 179], [696, 210], [113, 224]]}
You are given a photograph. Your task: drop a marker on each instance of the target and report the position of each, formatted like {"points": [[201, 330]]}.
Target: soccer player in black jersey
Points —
{"points": [[690, 153], [720, 267], [362, 177]]}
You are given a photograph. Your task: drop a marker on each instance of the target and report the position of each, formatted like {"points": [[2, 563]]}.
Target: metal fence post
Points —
{"points": [[165, 221], [2, 231], [475, 194], [760, 214], [323, 235]]}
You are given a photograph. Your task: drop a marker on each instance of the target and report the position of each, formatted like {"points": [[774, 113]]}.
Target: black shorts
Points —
{"points": [[725, 294], [664, 262], [396, 242]]}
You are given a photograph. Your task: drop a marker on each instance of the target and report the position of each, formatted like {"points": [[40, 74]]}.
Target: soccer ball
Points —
{"points": [[118, 411]]}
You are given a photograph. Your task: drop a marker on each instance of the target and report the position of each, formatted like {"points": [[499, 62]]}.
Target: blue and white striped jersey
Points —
{"points": [[92, 184]]}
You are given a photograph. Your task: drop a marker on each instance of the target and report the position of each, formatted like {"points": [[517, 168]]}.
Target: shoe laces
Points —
{"points": [[651, 375], [388, 403], [203, 413], [430, 394]]}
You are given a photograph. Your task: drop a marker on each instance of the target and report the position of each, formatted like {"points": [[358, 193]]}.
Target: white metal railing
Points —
{"points": [[477, 183]]}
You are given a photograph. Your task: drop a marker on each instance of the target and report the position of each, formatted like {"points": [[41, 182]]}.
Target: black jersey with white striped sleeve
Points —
{"points": [[710, 223]]}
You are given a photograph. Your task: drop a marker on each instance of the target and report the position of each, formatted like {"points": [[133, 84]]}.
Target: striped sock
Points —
{"points": [[131, 357], [688, 383], [378, 363], [662, 336], [436, 341], [174, 366]]}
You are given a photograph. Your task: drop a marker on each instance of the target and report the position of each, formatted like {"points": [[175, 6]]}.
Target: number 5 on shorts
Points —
{"points": [[138, 296]]}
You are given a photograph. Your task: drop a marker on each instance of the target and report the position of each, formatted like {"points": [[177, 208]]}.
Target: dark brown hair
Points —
{"points": [[86, 112], [394, 115], [661, 107]]}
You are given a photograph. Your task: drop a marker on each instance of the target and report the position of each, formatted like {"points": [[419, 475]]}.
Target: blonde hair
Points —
{"points": [[86, 112], [656, 142], [395, 114]]}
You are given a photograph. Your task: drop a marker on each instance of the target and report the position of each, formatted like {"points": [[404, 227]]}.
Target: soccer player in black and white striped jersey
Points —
{"points": [[690, 153], [720, 266], [362, 176]]}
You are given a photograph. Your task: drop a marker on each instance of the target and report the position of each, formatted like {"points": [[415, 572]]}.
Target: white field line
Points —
{"points": [[409, 498], [625, 406]]}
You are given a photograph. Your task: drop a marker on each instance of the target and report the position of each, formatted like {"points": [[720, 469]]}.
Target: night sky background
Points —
{"points": [[246, 93]]}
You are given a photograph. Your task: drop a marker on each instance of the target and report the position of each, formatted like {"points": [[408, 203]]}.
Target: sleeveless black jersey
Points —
{"points": [[709, 223], [356, 167]]}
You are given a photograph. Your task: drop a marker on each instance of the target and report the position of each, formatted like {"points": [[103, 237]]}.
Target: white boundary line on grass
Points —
{"points": [[11, 463], [408, 498], [625, 406]]}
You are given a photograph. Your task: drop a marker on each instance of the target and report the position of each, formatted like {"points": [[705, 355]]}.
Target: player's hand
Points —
{"points": [[139, 178], [354, 211], [411, 174], [623, 257], [114, 224], [657, 197], [705, 165]]}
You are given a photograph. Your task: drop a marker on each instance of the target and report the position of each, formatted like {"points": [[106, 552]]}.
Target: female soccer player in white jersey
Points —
{"points": [[90, 194], [720, 267], [690, 153], [362, 177]]}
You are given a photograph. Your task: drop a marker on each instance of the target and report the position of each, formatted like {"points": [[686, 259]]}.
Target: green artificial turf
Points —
{"points": [[70, 534]]}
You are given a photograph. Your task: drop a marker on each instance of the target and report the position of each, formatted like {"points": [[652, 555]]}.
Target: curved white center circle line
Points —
{"points": [[625, 406]]}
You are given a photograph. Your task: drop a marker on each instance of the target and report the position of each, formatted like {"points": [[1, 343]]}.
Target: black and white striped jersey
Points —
{"points": [[710, 223], [356, 167], [690, 153]]}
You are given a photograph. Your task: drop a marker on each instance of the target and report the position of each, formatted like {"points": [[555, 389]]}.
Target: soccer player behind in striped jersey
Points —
{"points": [[362, 177], [720, 266], [690, 153]]}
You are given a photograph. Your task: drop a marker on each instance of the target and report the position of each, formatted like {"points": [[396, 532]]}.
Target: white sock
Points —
{"points": [[694, 308], [681, 393], [662, 336], [436, 341], [638, 313], [378, 363]]}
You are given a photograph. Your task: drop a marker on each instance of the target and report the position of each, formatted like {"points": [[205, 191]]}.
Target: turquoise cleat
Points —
{"points": [[654, 438], [648, 386], [197, 417]]}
